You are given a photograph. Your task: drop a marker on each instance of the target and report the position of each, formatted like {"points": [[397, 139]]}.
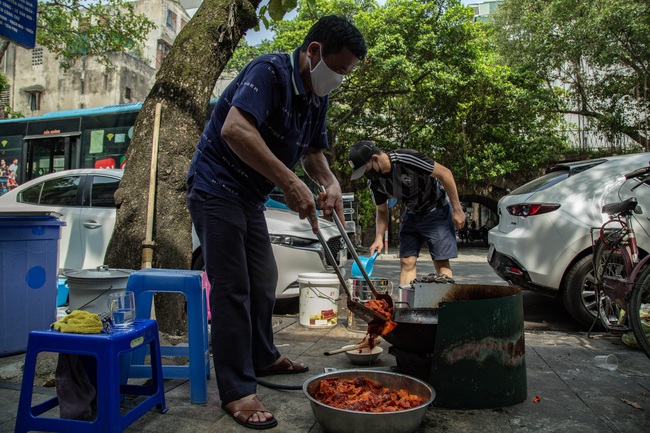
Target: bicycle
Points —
{"points": [[621, 277]]}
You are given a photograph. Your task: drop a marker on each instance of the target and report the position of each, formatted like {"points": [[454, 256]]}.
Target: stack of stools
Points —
{"points": [[107, 350], [144, 283]]}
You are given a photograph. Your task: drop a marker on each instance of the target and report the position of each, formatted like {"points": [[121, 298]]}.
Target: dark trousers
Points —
{"points": [[243, 275]]}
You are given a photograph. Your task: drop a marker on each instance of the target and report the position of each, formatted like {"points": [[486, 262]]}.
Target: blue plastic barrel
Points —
{"points": [[29, 248]]}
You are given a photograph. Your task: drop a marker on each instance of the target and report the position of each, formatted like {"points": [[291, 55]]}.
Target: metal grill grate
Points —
{"points": [[37, 56], [335, 245], [5, 96]]}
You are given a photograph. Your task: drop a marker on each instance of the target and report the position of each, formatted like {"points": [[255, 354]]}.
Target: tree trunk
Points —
{"points": [[183, 86]]}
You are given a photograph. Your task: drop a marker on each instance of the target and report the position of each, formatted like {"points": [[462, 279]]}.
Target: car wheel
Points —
{"points": [[578, 294]]}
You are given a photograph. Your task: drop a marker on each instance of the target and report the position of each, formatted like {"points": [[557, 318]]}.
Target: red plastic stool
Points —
{"points": [[106, 349]]}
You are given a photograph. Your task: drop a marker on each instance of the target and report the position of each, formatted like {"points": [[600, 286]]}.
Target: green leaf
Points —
{"points": [[71, 29], [289, 5], [596, 49], [276, 9]]}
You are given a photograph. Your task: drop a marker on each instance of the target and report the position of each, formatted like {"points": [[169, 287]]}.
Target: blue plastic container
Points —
{"points": [[368, 264], [62, 291], [29, 247]]}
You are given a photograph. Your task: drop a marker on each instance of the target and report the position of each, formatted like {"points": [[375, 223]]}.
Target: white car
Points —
{"points": [[84, 200], [543, 240], [296, 248]]}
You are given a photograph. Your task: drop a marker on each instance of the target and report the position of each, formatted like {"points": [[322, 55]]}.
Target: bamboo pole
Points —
{"points": [[149, 244]]}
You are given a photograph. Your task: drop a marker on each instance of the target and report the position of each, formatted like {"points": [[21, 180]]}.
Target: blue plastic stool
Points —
{"points": [[144, 283], [106, 349]]}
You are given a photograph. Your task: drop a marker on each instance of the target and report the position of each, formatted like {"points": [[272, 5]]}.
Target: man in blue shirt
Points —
{"points": [[271, 117]]}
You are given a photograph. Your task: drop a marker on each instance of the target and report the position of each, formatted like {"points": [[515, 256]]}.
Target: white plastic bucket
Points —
{"points": [[319, 295]]}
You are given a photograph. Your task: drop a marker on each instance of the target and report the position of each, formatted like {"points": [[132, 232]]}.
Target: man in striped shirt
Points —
{"points": [[428, 191]]}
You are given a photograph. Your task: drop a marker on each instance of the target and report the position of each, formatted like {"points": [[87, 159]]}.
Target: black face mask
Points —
{"points": [[372, 174]]}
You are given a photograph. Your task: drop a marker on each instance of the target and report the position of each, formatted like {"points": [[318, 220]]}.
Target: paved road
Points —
{"points": [[471, 267], [566, 392]]}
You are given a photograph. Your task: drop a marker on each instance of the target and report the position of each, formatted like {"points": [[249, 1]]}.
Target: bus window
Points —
{"points": [[104, 148], [46, 155]]}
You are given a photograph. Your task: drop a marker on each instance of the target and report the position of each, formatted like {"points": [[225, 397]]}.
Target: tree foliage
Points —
{"points": [[3, 87], [432, 81], [594, 56], [75, 28], [3, 83], [244, 53]]}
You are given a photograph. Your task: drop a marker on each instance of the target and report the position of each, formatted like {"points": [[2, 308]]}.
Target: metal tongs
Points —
{"points": [[367, 314], [385, 296]]}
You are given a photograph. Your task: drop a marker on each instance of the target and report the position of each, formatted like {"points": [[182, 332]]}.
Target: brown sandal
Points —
{"points": [[245, 408], [282, 366]]}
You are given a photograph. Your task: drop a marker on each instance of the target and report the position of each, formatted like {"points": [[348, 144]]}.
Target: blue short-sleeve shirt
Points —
{"points": [[271, 90]]}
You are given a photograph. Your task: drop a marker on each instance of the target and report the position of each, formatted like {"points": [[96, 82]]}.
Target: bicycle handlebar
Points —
{"points": [[637, 173]]}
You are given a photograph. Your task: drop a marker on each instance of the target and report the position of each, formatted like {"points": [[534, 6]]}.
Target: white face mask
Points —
{"points": [[323, 79]]}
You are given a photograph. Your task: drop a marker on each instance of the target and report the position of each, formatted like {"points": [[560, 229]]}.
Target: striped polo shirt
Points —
{"points": [[410, 181]]}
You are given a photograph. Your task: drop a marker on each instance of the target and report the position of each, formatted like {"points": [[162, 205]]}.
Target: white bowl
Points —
{"points": [[363, 356]]}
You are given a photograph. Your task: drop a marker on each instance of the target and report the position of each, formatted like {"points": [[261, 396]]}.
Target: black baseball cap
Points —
{"points": [[360, 154]]}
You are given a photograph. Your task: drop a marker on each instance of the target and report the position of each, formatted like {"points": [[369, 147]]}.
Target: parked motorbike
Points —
{"points": [[480, 234]]}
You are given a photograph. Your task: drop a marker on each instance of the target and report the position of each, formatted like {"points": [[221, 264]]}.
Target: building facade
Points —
{"points": [[482, 10], [170, 17], [38, 85]]}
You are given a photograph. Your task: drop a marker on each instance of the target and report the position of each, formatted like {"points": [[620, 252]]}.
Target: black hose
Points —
{"points": [[278, 386]]}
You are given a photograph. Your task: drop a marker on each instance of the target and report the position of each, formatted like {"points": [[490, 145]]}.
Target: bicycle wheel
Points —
{"points": [[608, 263], [639, 314]]}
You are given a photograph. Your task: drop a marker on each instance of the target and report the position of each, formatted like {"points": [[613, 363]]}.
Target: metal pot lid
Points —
{"points": [[101, 273]]}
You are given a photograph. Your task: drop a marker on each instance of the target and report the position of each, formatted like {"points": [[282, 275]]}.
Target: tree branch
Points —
{"points": [[633, 133]]}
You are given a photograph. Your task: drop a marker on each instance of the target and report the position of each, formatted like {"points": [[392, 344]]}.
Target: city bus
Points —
{"points": [[84, 138]]}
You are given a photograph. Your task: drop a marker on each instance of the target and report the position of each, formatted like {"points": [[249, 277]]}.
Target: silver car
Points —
{"points": [[543, 240], [84, 200]]}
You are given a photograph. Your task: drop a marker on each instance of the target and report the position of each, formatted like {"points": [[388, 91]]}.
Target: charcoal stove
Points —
{"points": [[466, 340]]}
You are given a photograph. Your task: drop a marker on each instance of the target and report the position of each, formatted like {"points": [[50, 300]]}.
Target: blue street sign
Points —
{"points": [[18, 21]]}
